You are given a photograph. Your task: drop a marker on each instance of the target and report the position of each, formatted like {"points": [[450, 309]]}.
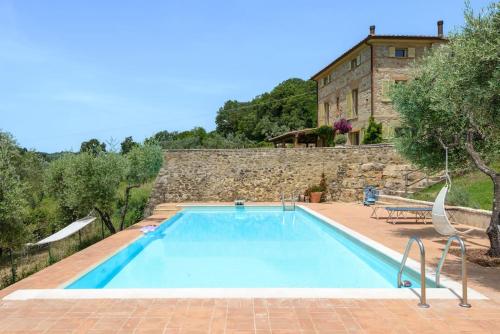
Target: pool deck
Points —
{"points": [[259, 315]]}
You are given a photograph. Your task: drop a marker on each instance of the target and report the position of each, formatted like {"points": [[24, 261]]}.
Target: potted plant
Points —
{"points": [[316, 192]]}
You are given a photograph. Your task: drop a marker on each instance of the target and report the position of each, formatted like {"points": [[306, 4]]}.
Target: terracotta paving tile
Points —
{"points": [[109, 323], [261, 315]]}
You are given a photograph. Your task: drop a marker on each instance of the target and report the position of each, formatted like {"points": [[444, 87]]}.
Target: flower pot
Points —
{"points": [[316, 197]]}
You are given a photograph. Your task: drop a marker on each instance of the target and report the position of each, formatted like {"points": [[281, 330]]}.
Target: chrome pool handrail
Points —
{"points": [[423, 297], [283, 202], [463, 302]]}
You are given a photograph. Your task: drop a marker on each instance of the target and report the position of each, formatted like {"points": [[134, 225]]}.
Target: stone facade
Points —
{"points": [[356, 71], [262, 174], [343, 81], [387, 71]]}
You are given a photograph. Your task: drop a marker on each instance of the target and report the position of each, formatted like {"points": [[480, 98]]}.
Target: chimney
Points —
{"points": [[440, 28], [372, 30]]}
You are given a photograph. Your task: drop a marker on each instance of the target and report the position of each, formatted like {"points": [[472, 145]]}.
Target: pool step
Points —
{"points": [[166, 209]]}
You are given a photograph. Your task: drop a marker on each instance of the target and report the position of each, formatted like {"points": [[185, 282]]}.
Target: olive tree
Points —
{"points": [[13, 202], [453, 101], [87, 181], [142, 163]]}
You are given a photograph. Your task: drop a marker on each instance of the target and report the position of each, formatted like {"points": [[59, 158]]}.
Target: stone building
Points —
{"points": [[355, 85]]}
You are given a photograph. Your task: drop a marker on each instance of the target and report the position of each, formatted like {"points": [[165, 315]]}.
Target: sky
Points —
{"points": [[81, 69]]}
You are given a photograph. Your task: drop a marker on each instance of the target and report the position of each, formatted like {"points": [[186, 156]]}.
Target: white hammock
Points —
{"points": [[67, 231], [439, 218]]}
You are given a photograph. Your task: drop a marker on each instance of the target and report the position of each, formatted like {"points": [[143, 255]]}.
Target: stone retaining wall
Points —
{"points": [[262, 174]]}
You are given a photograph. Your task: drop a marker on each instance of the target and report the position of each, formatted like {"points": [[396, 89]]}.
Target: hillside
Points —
{"points": [[474, 190]]}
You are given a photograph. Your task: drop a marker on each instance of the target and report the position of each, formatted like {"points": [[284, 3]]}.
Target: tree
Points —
{"points": [[453, 101], [326, 135], [142, 164], [289, 106], [13, 204], [127, 145], [94, 146], [86, 181], [373, 133]]}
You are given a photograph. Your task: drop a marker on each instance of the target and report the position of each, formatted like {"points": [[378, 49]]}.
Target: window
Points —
{"points": [[327, 112], [327, 79], [354, 138], [355, 62], [355, 102], [401, 53]]}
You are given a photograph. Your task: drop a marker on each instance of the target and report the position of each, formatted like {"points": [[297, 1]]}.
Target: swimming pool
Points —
{"points": [[245, 247]]}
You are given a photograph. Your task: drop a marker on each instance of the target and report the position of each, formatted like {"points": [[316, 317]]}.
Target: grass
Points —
{"points": [[474, 190]]}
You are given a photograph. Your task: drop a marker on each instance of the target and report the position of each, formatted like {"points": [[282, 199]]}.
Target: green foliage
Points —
{"points": [[454, 95], [82, 182], [321, 187], [314, 189], [373, 133], [325, 132], [93, 146], [13, 204], [143, 163], [475, 187], [198, 138], [340, 139], [136, 205], [127, 145], [454, 101], [289, 106]]}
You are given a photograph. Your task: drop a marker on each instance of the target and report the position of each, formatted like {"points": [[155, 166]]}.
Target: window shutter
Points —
{"points": [[392, 51], [387, 131], [349, 105], [386, 87], [411, 52], [358, 60]]}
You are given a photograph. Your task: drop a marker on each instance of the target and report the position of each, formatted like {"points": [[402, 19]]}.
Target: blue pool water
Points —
{"points": [[251, 247]]}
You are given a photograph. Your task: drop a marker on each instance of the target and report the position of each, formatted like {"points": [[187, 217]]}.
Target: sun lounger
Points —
{"points": [[381, 206], [396, 213]]}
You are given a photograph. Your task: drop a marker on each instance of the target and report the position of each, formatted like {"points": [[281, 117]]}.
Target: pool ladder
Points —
{"points": [[463, 302], [423, 296], [283, 202]]}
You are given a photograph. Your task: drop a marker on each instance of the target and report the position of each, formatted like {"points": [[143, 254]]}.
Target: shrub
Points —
{"points": [[340, 139], [373, 133], [325, 132]]}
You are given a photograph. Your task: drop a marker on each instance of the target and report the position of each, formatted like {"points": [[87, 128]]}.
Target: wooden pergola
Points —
{"points": [[298, 138]]}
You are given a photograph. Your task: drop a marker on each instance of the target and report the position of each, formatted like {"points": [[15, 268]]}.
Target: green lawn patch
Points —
{"points": [[474, 190]]}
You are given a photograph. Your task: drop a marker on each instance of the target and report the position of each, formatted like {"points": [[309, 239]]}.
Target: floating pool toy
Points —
{"points": [[148, 228], [407, 284]]}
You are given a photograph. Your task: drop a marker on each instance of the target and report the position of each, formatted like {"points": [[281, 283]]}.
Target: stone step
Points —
{"points": [[166, 209], [167, 205], [164, 213]]}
